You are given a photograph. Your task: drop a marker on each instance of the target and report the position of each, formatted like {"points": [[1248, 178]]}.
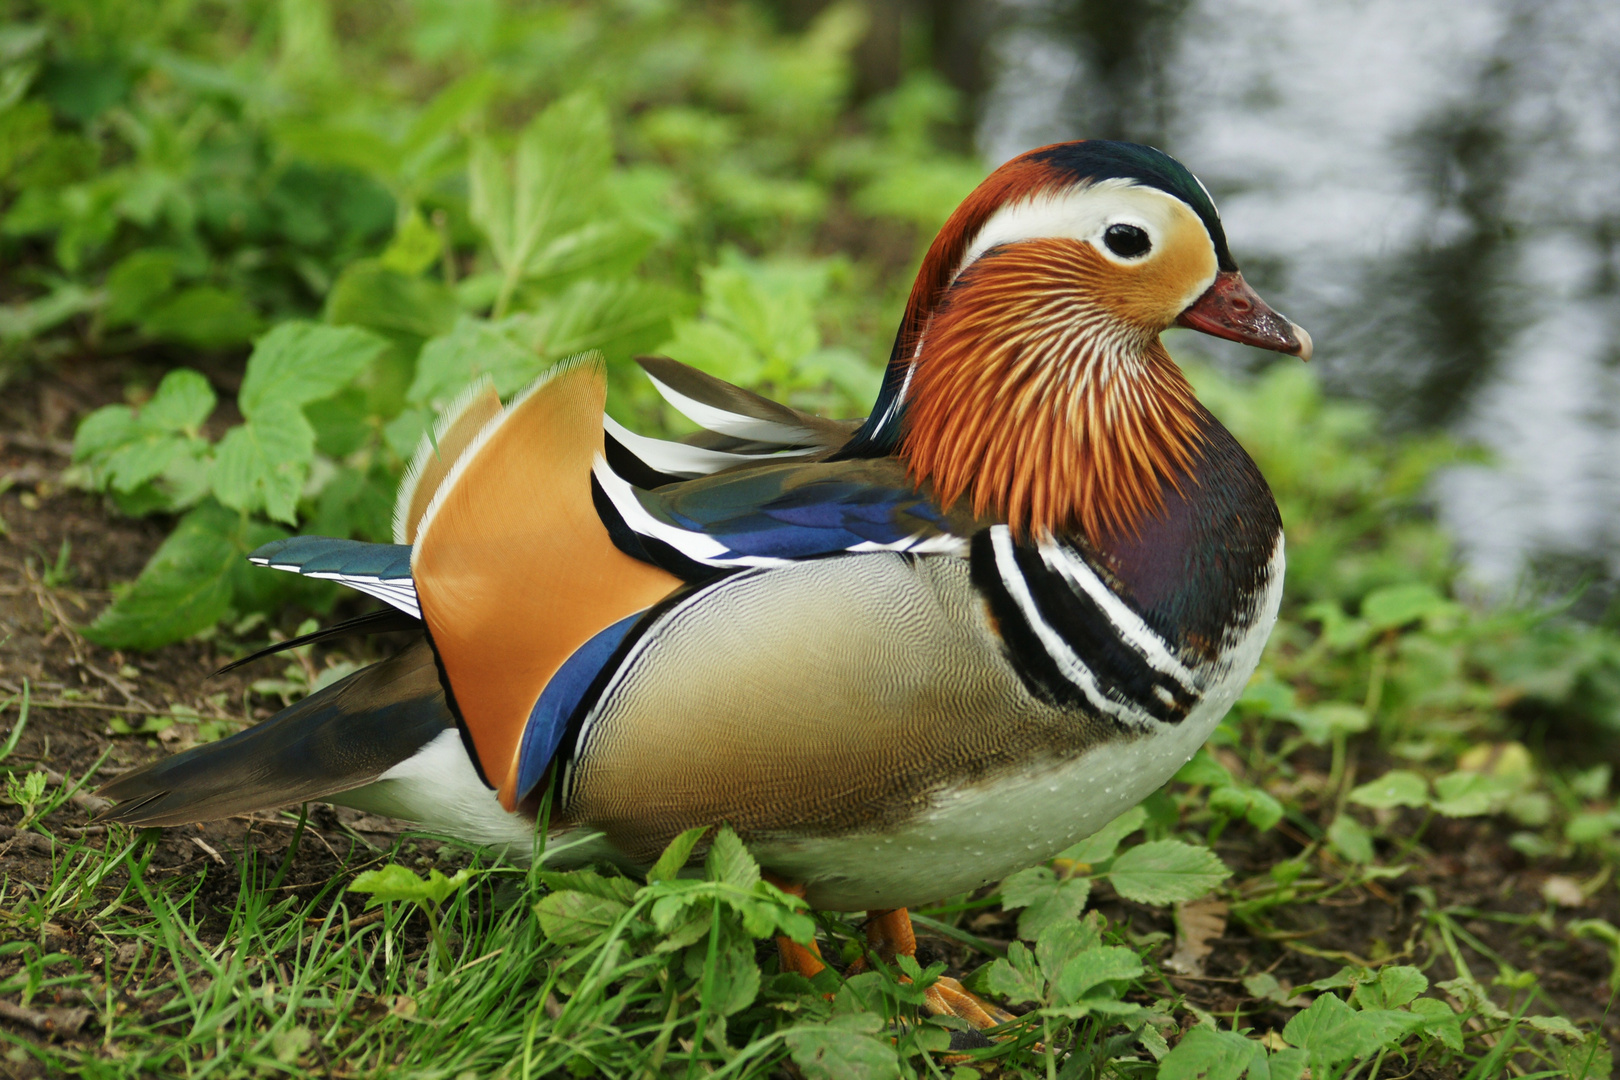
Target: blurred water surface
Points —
{"points": [[1432, 188]]}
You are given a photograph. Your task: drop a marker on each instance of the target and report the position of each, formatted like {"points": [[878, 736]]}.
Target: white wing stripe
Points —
{"points": [[1130, 626], [730, 423], [679, 459], [694, 545], [396, 592], [1068, 663]]}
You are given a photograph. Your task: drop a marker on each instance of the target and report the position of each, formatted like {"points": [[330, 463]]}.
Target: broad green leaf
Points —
{"points": [[136, 283], [609, 887], [1062, 942], [261, 465], [202, 315], [1203, 1054], [676, 855], [182, 402], [1351, 839], [1468, 794], [1092, 968], [1015, 978], [729, 861], [1202, 768], [184, 587], [126, 449], [1266, 696], [1047, 899], [1102, 844], [1264, 812], [1397, 605], [599, 249], [394, 882], [300, 362], [1397, 787], [615, 316], [1330, 1031], [736, 979], [1395, 986], [1232, 801], [1320, 723], [849, 1047], [1592, 1059], [473, 348], [574, 918], [406, 308], [1165, 871], [554, 177], [1439, 1021], [415, 246]]}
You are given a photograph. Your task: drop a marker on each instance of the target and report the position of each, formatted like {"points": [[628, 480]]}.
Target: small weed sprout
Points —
{"points": [[394, 883]]}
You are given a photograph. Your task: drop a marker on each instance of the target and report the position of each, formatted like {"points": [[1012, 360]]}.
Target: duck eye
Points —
{"points": [[1127, 241]]}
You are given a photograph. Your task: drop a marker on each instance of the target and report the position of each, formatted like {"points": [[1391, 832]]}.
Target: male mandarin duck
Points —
{"points": [[902, 658]]}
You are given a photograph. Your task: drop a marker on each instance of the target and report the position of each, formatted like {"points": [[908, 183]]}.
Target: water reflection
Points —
{"points": [[1433, 189]]}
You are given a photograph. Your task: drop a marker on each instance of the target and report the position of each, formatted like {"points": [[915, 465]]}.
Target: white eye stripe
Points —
{"points": [[1082, 212]]}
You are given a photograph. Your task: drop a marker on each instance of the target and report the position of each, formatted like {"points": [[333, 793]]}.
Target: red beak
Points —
{"points": [[1230, 309]]}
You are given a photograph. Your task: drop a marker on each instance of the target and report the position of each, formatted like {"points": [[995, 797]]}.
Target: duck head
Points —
{"points": [[1027, 374]]}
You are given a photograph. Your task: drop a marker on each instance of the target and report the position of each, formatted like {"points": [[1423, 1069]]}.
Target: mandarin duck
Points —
{"points": [[902, 658]]}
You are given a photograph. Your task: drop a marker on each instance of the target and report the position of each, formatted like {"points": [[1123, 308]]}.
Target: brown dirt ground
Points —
{"points": [[78, 688]]}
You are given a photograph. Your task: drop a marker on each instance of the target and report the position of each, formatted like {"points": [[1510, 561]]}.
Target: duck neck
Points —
{"points": [[1044, 409]]}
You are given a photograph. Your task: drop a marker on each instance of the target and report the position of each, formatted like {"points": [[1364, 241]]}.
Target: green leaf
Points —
{"points": [[554, 180], [136, 283], [1590, 1060], [574, 918], [1264, 812], [729, 861], [1202, 768], [262, 464], [1062, 942], [1468, 794], [473, 348], [1165, 871], [407, 308], [1330, 1031], [1101, 845], [1203, 1054], [394, 882], [614, 316], [415, 245], [1395, 986], [1397, 787], [676, 855], [1351, 839], [202, 315], [1047, 900], [1092, 968], [1439, 1021], [125, 449], [1320, 723], [849, 1047], [1015, 978], [1397, 605], [300, 362], [182, 402], [184, 587]]}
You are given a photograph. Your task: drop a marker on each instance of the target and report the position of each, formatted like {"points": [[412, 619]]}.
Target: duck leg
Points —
{"points": [[889, 934], [800, 959]]}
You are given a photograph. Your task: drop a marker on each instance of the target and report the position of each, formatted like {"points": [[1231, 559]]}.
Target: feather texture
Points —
{"points": [[515, 520]]}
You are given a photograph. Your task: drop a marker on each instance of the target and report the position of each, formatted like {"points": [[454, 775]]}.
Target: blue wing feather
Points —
{"points": [[797, 510]]}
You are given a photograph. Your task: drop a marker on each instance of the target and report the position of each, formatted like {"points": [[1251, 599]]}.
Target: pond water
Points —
{"points": [[1431, 188]]}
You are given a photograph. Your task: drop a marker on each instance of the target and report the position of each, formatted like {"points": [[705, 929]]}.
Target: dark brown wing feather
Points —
{"points": [[340, 738]]}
